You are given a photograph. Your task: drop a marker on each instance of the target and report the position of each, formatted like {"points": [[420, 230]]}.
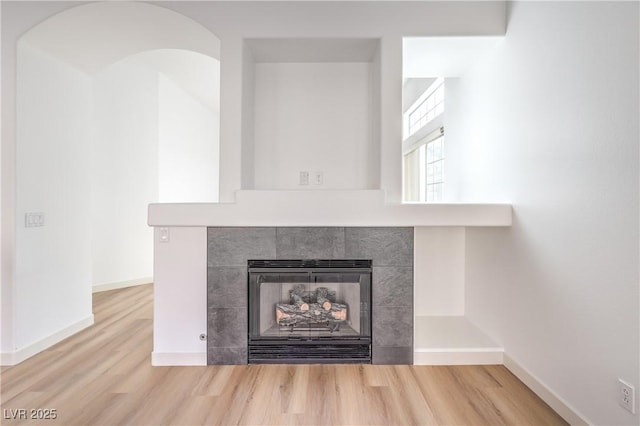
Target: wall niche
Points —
{"points": [[311, 105]]}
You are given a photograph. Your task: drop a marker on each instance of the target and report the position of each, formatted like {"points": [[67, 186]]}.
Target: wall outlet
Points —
{"points": [[304, 178], [627, 396], [318, 178], [164, 235]]}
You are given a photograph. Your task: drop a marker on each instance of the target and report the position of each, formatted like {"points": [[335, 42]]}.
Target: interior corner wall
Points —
{"points": [[553, 119], [187, 146], [124, 172], [53, 262]]}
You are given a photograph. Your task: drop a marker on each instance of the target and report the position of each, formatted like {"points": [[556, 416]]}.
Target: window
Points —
{"points": [[435, 169], [424, 170], [423, 146], [426, 108]]}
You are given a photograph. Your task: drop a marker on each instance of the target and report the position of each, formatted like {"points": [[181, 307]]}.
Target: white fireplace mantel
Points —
{"points": [[325, 208]]}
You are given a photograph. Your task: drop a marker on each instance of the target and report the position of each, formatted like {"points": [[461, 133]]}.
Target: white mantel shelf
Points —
{"points": [[325, 208]]}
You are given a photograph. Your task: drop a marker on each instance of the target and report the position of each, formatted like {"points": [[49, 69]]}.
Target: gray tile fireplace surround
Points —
{"points": [[390, 249]]}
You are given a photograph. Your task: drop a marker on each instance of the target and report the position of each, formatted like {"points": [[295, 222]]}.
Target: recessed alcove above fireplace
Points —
{"points": [[311, 106], [390, 250]]}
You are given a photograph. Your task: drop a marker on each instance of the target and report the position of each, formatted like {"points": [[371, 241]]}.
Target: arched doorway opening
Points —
{"points": [[110, 117]]}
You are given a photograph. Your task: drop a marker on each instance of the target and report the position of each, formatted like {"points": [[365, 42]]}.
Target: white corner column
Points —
{"points": [[231, 76], [391, 118], [180, 296]]}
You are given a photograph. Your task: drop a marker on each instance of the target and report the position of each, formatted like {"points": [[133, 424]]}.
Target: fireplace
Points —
{"points": [[309, 311], [390, 302]]}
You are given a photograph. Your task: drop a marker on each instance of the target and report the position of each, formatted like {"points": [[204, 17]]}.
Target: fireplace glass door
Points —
{"points": [[292, 308]]}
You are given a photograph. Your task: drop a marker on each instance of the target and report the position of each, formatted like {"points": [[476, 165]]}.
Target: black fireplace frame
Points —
{"points": [[310, 349]]}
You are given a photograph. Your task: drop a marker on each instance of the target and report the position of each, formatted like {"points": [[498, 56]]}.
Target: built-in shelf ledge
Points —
{"points": [[452, 341], [325, 208]]}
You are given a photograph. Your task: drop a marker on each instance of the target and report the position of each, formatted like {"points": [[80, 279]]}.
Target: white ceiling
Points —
{"points": [[443, 56]]}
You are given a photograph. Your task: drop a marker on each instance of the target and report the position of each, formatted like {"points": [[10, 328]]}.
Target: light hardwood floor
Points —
{"points": [[103, 375]]}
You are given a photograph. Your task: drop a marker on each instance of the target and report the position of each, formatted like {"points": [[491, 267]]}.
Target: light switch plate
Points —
{"points": [[33, 219]]}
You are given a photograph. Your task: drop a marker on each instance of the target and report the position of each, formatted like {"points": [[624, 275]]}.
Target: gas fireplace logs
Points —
{"points": [[311, 309]]}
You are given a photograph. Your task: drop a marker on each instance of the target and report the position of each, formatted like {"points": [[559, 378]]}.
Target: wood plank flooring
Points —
{"points": [[103, 376]]}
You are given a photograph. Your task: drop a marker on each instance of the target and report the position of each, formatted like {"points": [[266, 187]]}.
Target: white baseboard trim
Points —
{"points": [[458, 356], [559, 405], [17, 356], [122, 284], [178, 358]]}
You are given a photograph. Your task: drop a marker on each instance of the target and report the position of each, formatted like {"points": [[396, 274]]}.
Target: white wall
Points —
{"points": [[180, 297], [461, 134], [312, 117], [154, 142], [439, 273], [124, 172], [553, 125], [53, 262], [13, 25], [6, 298], [187, 146]]}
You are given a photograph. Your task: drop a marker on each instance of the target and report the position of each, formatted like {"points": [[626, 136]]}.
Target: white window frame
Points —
{"points": [[434, 161], [427, 106], [415, 157]]}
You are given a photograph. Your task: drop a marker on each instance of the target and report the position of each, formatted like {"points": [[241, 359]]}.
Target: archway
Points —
{"points": [[79, 140]]}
